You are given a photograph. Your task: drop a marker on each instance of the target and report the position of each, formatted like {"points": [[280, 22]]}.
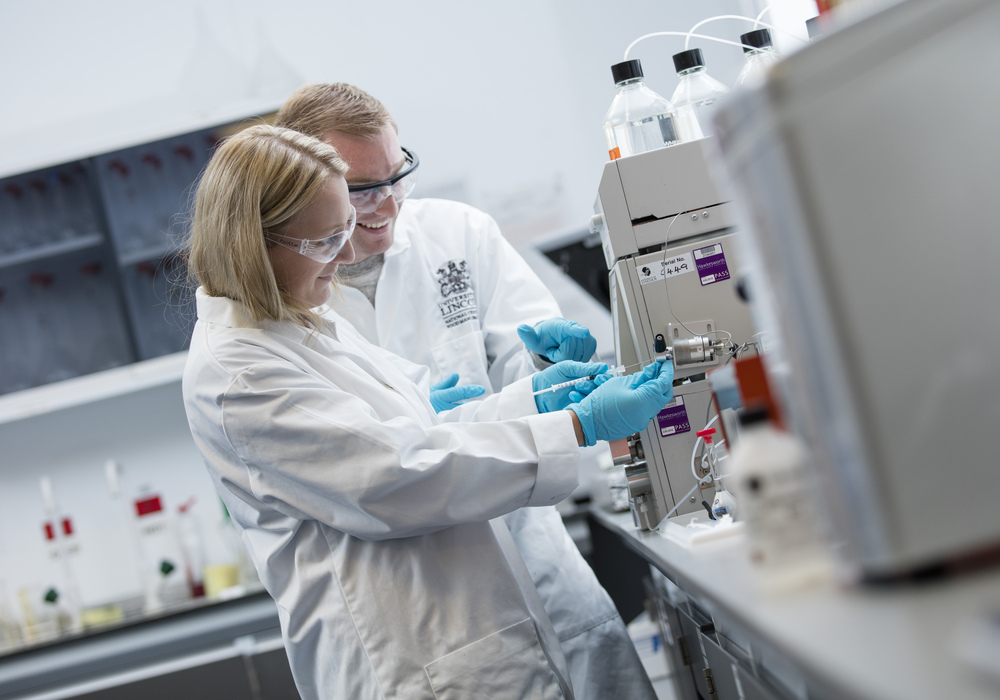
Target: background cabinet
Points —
{"points": [[91, 275]]}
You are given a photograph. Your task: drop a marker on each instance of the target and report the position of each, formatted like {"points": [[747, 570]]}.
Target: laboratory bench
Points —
{"points": [[728, 637], [230, 649]]}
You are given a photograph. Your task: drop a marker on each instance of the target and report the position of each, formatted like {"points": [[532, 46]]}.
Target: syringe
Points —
{"points": [[616, 371]]}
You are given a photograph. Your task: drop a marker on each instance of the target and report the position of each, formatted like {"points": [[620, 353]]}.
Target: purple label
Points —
{"points": [[674, 418], [711, 264]]}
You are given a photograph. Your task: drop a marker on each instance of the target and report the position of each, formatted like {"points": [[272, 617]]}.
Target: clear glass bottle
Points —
{"points": [[759, 53], [639, 119], [696, 97]]}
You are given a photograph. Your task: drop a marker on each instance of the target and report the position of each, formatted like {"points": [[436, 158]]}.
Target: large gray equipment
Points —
{"points": [[669, 239], [870, 164]]}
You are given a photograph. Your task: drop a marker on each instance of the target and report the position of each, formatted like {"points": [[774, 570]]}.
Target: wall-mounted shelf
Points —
{"points": [[91, 388], [50, 250]]}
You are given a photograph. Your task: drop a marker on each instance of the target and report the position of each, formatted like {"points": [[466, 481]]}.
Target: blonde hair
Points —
{"points": [[318, 109], [258, 179]]}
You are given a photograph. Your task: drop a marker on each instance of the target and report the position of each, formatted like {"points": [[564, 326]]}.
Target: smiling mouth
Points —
{"points": [[378, 224]]}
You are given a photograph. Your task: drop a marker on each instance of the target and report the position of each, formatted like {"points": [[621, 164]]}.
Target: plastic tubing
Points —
{"points": [[681, 501], [756, 23], [685, 34], [694, 471], [691, 34]]}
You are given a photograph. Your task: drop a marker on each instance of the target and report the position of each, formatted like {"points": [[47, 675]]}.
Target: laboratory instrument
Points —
{"points": [[639, 119], [697, 95], [668, 231], [868, 231]]}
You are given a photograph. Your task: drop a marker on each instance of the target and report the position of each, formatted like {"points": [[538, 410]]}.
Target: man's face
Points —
{"points": [[371, 160]]}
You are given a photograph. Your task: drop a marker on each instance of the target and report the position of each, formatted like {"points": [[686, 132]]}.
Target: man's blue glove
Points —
{"points": [[625, 405], [446, 396], [558, 339], [565, 372]]}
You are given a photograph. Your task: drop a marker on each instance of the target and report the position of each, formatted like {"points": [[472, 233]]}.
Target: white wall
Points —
{"points": [[503, 101]]}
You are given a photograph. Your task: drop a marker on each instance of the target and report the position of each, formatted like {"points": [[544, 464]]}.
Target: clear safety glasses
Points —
{"points": [[368, 197], [321, 250]]}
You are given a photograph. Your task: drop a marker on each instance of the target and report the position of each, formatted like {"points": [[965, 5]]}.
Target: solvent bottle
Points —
{"points": [[696, 97], [639, 119], [759, 54], [767, 473]]}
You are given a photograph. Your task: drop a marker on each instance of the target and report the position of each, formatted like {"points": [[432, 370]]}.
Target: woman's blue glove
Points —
{"points": [[565, 372], [625, 405], [558, 339], [446, 396]]}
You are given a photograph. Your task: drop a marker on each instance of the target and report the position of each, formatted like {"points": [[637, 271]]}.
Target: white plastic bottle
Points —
{"points": [[696, 97], [767, 476], [759, 54], [639, 119]]}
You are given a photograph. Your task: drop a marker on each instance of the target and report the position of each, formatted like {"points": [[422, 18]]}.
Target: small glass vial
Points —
{"points": [[639, 119], [759, 53], [696, 97]]}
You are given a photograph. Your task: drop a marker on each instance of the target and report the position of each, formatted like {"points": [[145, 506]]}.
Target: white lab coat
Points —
{"points": [[369, 519], [450, 296]]}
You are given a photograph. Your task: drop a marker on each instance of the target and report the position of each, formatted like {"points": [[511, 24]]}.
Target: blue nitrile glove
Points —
{"points": [[558, 339], [624, 405], [565, 372], [446, 396]]}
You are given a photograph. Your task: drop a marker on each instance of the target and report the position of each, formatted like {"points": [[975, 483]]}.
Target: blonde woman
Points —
{"points": [[373, 524], [436, 282]]}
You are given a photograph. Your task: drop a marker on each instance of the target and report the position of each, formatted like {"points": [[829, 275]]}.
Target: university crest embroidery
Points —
{"points": [[459, 303]]}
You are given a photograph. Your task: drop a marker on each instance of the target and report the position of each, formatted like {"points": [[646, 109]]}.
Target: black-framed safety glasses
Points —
{"points": [[369, 196]]}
